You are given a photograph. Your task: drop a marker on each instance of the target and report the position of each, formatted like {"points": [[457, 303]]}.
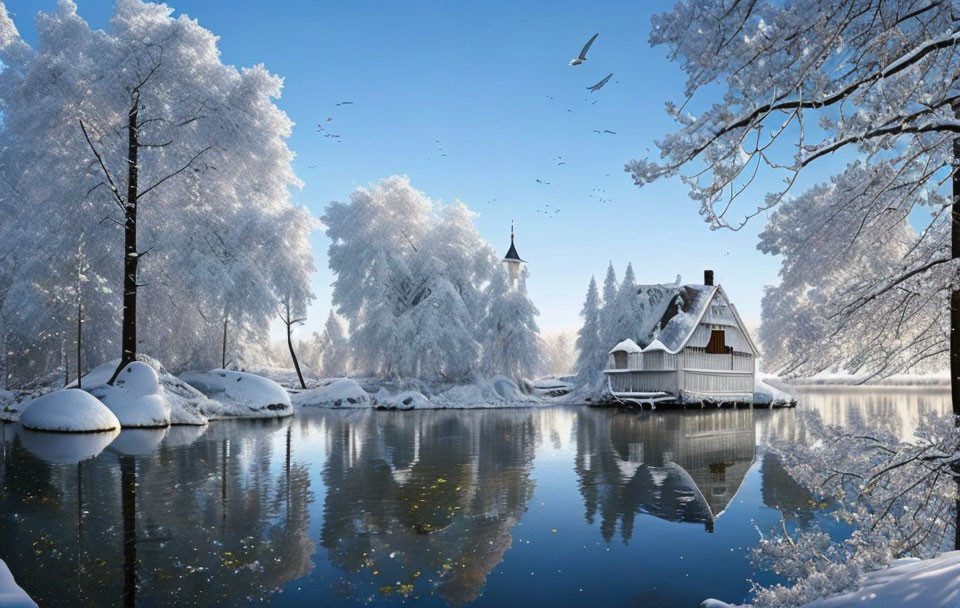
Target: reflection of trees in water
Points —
{"points": [[183, 525], [781, 492], [425, 502], [678, 466], [894, 410]]}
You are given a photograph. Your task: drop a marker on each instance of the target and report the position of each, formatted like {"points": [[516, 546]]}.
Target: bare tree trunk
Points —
{"points": [[223, 355], [296, 364]]}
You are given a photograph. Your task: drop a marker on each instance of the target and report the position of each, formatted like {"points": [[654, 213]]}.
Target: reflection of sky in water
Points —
{"points": [[495, 507]]}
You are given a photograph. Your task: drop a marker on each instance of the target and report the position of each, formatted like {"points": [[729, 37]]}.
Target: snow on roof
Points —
{"points": [[675, 309], [627, 346], [655, 345]]}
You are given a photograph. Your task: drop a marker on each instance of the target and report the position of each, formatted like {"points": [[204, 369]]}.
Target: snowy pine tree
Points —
{"points": [[609, 329], [591, 355]]}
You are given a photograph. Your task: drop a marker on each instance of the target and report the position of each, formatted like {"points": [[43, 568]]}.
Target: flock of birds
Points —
{"points": [[324, 128]]}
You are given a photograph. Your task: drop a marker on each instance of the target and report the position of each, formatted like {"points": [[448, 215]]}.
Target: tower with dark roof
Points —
{"points": [[512, 260]]}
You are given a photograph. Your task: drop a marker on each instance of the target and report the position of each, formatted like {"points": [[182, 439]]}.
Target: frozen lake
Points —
{"points": [[555, 506]]}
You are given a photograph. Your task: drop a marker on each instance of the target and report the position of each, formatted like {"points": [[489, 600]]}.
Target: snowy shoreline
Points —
{"points": [[909, 582]]}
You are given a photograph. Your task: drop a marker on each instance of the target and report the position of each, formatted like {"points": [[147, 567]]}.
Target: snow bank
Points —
{"points": [[68, 411], [135, 397], [11, 595], [764, 393], [187, 405], [339, 393], [241, 394], [498, 391], [66, 449], [907, 583]]}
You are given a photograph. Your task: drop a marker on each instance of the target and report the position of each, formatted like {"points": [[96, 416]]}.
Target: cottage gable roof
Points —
{"points": [[671, 312]]}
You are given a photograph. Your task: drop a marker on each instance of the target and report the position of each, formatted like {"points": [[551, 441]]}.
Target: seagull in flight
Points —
{"points": [[600, 84], [583, 53]]}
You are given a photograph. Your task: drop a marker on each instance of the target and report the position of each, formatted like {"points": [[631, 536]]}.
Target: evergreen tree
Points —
{"points": [[591, 356], [609, 332]]}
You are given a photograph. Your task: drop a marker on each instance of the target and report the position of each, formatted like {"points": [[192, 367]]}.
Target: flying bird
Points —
{"points": [[345, 103], [605, 131], [583, 53], [600, 84], [543, 182]]}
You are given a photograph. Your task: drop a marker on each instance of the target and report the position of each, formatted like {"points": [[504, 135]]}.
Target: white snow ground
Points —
{"points": [[242, 394], [11, 595], [70, 411], [908, 583]]}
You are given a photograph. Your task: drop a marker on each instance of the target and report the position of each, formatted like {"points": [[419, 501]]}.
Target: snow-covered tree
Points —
{"points": [[558, 354], [591, 354], [173, 166], [901, 494], [511, 338], [628, 313], [801, 81], [409, 281], [609, 330], [831, 241], [335, 348]]}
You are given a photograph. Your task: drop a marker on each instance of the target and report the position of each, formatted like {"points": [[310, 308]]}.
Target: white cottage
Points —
{"points": [[692, 346]]}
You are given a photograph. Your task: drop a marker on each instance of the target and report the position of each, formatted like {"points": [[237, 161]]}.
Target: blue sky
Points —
{"points": [[490, 81]]}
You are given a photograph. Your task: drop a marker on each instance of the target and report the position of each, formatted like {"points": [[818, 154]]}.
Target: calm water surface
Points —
{"points": [[555, 506]]}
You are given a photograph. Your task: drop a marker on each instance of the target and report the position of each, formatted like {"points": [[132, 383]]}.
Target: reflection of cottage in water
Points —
{"points": [[678, 467]]}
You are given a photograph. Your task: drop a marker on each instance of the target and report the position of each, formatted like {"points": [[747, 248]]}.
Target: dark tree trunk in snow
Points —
{"points": [[289, 321], [131, 257], [223, 352]]}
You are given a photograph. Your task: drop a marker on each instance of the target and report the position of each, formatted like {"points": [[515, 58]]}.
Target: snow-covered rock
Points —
{"points": [[135, 397], [241, 394], [187, 404], [404, 400], [11, 595], [66, 448], [343, 392], [68, 411]]}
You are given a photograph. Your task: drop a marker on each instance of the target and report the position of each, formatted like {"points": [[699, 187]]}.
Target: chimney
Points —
{"points": [[708, 277]]}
